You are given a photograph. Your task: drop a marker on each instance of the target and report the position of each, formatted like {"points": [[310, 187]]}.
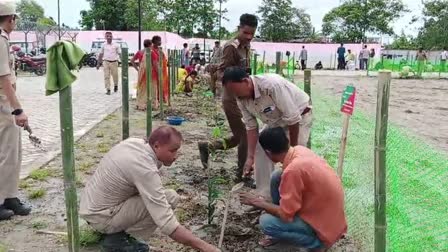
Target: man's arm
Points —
{"points": [[100, 57], [186, 237], [294, 134], [230, 57], [251, 124], [133, 62], [10, 92], [258, 202]]}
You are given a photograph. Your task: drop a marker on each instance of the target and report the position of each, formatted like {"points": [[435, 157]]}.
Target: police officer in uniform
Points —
{"points": [[12, 117], [236, 52]]}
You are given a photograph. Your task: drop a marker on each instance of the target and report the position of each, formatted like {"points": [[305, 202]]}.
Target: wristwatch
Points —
{"points": [[17, 112]]}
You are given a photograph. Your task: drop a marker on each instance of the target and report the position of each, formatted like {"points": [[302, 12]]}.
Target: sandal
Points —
{"points": [[267, 241]]}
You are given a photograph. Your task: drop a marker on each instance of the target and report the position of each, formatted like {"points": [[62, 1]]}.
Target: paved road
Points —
{"points": [[90, 106]]}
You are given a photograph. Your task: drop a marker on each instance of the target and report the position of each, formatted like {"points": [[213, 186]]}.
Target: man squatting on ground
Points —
{"points": [[307, 206], [126, 194], [12, 117], [236, 52], [277, 103]]}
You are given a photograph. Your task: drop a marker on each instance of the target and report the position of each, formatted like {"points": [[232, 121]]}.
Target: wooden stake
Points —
{"points": [[278, 57], [160, 82], [254, 71], [382, 114], [125, 93], [307, 89], [68, 165], [343, 144], [149, 92]]}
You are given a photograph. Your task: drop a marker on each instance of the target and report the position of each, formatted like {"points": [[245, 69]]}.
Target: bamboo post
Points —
{"points": [[170, 69], [254, 71], [307, 89], [343, 144], [382, 113], [125, 93], [264, 58], [368, 66], [68, 165], [149, 92], [331, 61], [277, 62], [288, 72], [160, 82], [293, 64]]}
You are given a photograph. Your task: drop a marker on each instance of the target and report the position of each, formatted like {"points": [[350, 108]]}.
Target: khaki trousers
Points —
{"points": [[10, 152], [110, 68], [264, 166], [131, 216]]}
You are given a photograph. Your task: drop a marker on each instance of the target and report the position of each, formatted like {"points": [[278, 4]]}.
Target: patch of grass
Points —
{"points": [[84, 166], [36, 193], [24, 184], [103, 147], [40, 174], [89, 237], [100, 134], [79, 181], [173, 184], [110, 117], [182, 215], [3, 248], [39, 224]]}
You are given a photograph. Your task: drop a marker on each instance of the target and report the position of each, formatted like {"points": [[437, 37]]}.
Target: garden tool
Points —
{"points": [[33, 139], [234, 190]]}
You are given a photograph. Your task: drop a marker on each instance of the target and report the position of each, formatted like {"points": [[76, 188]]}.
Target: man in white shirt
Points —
{"points": [[443, 59], [109, 55], [364, 58], [277, 103], [303, 57]]}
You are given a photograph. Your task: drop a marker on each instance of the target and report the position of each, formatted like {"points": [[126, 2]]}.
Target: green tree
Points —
{"points": [[434, 33], [281, 21], [105, 14], [30, 11], [351, 21], [403, 42], [150, 13]]}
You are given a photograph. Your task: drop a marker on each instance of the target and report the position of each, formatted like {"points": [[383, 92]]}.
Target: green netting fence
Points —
{"points": [[417, 179], [409, 67]]}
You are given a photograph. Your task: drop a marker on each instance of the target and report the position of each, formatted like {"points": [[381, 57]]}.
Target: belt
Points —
{"points": [[111, 61], [306, 110]]}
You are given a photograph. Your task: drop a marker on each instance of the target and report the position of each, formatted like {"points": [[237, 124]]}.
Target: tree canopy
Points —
{"points": [[354, 19], [434, 33]]}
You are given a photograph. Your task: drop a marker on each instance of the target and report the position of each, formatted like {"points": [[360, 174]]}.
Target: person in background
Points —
{"points": [[421, 58], [350, 59], [110, 53], [307, 206], [126, 194], [363, 58], [217, 53], [443, 59], [236, 52], [185, 56], [12, 119], [196, 53], [139, 55], [157, 56], [341, 57], [303, 57], [319, 66], [190, 80], [181, 74]]}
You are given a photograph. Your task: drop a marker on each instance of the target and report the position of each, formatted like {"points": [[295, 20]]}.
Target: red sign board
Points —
{"points": [[348, 100]]}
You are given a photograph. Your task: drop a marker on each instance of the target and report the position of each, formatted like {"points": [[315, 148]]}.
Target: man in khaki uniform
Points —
{"points": [[12, 118], [236, 52], [109, 55], [277, 103], [126, 194]]}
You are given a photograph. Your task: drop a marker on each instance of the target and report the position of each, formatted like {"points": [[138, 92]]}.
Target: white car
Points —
{"points": [[98, 44]]}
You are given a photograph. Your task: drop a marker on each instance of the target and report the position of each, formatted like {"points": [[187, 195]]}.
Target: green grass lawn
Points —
{"points": [[417, 180]]}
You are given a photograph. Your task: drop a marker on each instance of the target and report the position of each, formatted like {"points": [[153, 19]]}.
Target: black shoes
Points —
{"points": [[115, 89], [122, 242], [16, 206], [5, 214], [108, 92]]}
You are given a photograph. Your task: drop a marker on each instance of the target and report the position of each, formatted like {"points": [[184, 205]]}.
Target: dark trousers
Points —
{"points": [[341, 63], [363, 64], [303, 63]]}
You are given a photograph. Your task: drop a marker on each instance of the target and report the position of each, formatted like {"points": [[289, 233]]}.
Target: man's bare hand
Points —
{"points": [[21, 120], [247, 198], [248, 167]]}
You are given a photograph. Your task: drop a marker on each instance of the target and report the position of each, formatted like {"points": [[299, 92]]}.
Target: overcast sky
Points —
{"points": [[316, 8]]}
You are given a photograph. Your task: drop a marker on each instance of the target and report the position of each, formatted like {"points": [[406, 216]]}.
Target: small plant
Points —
{"points": [[24, 184], [39, 225], [100, 134], [79, 182], [89, 237], [85, 166], [36, 193], [40, 174], [103, 148]]}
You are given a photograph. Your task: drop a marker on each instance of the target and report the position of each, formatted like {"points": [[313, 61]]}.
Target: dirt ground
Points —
{"points": [[186, 176], [420, 106]]}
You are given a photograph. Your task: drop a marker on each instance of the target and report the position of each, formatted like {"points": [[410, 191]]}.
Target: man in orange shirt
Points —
{"points": [[307, 196]]}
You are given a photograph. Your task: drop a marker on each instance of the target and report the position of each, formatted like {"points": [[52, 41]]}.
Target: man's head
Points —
{"points": [[109, 37], [196, 46], [349, 51], [156, 41], [237, 82], [303, 47], [342, 44], [165, 141], [217, 43], [365, 46], [147, 43], [420, 49], [185, 45], [8, 15], [246, 29], [274, 143]]}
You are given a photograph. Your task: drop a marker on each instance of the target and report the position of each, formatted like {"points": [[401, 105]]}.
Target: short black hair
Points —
{"points": [[234, 74], [342, 44], [147, 43], [217, 42], [156, 38], [249, 20], [5, 18], [108, 32], [185, 45], [274, 140]]}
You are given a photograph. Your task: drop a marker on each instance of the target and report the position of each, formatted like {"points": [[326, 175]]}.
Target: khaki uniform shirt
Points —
{"points": [[234, 54], [129, 169], [277, 102], [6, 60], [111, 52]]}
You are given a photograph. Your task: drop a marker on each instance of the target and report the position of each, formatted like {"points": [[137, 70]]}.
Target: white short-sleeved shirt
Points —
{"points": [[6, 59], [444, 55], [277, 102], [111, 52]]}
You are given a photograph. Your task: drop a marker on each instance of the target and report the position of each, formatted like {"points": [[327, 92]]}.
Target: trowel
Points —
{"points": [[34, 139]]}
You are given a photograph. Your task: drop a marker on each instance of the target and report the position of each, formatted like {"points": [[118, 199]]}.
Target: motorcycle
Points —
{"points": [[34, 65], [89, 60]]}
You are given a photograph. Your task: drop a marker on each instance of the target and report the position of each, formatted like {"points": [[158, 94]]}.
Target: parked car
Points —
{"points": [[98, 44]]}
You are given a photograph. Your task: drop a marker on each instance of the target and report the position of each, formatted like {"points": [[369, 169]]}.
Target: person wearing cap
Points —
{"points": [[12, 117]]}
